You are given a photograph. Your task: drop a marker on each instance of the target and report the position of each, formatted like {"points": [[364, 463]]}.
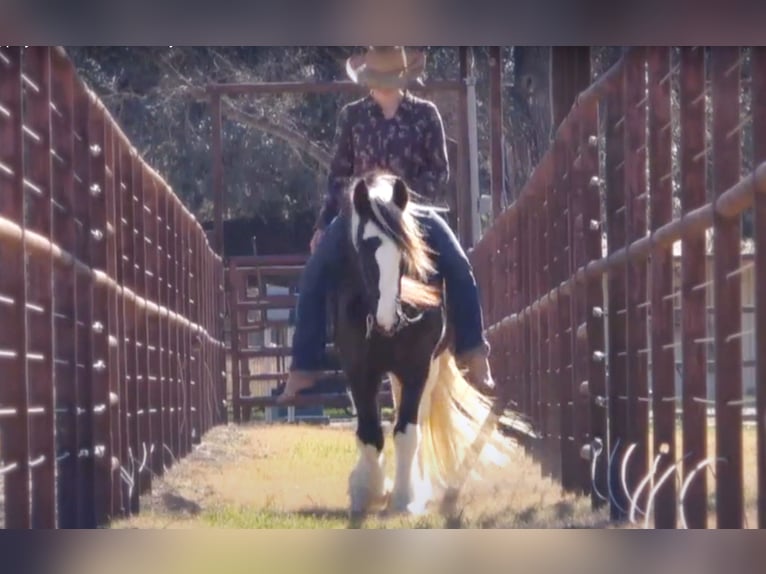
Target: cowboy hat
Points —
{"points": [[386, 67]]}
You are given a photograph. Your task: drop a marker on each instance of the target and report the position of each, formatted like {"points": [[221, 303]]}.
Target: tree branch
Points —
{"points": [[296, 141]]}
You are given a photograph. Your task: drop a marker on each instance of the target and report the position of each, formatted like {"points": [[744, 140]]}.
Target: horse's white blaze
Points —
{"points": [[388, 259], [367, 483], [387, 256]]}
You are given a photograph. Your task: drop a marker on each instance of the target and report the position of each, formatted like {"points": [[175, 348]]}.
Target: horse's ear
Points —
{"points": [[401, 194], [361, 199]]}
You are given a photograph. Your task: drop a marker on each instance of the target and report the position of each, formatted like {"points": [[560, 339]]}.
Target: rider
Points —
{"points": [[394, 130]]}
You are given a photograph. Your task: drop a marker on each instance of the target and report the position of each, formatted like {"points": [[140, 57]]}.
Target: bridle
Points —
{"points": [[371, 292], [402, 320]]}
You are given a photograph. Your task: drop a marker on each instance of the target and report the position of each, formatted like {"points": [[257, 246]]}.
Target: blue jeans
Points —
{"points": [[320, 277]]}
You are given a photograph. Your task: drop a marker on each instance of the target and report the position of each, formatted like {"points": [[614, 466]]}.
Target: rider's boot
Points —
{"points": [[298, 381]]}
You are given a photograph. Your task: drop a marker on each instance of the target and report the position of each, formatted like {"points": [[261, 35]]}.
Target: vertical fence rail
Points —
{"points": [[84, 303], [65, 297], [578, 258], [607, 305], [636, 195], [594, 308], [661, 281], [14, 399], [692, 292], [89, 238], [617, 346], [564, 344], [40, 214], [100, 327], [727, 291], [758, 65]]}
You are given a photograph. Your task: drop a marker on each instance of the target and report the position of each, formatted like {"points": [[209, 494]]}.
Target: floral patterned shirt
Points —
{"points": [[411, 144]]}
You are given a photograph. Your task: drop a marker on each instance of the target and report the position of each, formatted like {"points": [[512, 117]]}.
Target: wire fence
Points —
{"points": [[606, 343], [111, 307]]}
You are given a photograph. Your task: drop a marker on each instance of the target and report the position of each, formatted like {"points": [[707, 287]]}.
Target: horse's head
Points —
{"points": [[394, 260]]}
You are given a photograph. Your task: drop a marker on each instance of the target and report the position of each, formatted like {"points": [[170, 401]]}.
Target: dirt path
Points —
{"points": [[296, 476]]}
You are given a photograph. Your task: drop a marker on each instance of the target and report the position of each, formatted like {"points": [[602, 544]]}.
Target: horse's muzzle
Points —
{"points": [[373, 326], [401, 321]]}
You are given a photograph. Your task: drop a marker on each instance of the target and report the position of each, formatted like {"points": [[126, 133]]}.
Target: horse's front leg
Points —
{"points": [[366, 486], [411, 492]]}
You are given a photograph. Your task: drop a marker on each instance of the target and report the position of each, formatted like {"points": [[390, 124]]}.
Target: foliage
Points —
{"points": [[276, 147]]}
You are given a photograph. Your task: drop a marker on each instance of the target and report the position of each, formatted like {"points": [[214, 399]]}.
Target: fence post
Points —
{"points": [[236, 393], [84, 303], [218, 185], [101, 327], [758, 102], [40, 316], [174, 392], [496, 128], [155, 326], [593, 228], [131, 320], [569, 451], [13, 284], [533, 284], [661, 325], [124, 248], [634, 173], [615, 229], [692, 292], [725, 64], [186, 353], [465, 221], [65, 282], [578, 326], [164, 382]]}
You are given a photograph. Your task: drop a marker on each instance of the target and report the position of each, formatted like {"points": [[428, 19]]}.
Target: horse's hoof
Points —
{"points": [[449, 502], [356, 519], [405, 503]]}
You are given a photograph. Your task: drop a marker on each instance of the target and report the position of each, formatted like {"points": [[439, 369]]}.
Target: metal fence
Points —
{"points": [[579, 293], [262, 296], [111, 306]]}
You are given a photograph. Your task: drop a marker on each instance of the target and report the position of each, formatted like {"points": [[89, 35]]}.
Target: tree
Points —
{"points": [[276, 147]]}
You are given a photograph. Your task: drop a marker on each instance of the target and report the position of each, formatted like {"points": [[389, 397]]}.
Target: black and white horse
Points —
{"points": [[390, 320]]}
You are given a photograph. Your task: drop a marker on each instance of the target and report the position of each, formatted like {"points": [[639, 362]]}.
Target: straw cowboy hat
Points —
{"points": [[386, 67]]}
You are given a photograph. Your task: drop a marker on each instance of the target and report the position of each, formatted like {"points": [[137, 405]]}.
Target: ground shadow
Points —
{"points": [[176, 504], [559, 515], [564, 510], [354, 522]]}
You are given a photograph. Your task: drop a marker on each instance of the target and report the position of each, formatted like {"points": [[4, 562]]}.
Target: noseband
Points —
{"points": [[402, 321]]}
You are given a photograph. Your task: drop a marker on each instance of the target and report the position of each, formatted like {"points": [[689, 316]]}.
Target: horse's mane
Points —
{"points": [[402, 227]]}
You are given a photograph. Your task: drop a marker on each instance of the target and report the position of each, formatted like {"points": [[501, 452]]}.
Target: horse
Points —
{"points": [[390, 319]]}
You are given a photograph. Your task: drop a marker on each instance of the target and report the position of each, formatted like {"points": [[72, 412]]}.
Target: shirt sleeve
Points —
{"points": [[435, 171], [341, 169]]}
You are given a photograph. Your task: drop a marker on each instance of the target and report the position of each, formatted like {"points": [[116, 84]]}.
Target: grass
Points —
{"points": [[295, 477]]}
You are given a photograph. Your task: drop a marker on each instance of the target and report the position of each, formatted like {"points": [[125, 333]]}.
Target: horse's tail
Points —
{"points": [[455, 421]]}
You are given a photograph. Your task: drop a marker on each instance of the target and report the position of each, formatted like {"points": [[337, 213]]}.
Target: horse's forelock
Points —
{"points": [[400, 226], [403, 229]]}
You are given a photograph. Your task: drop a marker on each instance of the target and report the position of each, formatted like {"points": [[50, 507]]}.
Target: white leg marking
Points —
{"points": [[366, 484], [411, 492]]}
